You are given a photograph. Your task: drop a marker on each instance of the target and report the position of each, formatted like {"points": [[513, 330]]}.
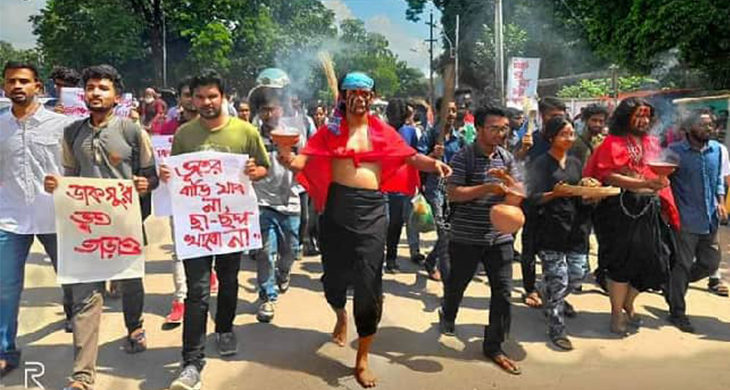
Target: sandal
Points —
{"points": [[533, 300], [562, 342], [136, 342], [718, 288], [505, 363], [5, 367]]}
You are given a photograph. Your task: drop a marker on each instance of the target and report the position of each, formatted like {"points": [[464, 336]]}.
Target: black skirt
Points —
{"points": [[635, 245]]}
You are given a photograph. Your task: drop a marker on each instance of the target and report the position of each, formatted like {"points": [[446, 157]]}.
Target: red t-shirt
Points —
{"points": [[389, 149], [613, 156]]}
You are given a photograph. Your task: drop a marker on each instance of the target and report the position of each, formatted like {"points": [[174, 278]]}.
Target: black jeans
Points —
{"points": [[197, 274], [529, 255], [497, 261], [698, 256]]}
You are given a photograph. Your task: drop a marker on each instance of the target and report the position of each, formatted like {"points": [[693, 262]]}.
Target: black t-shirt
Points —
{"points": [[563, 224]]}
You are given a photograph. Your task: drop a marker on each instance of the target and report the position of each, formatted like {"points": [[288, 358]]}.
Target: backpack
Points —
{"points": [[129, 132]]}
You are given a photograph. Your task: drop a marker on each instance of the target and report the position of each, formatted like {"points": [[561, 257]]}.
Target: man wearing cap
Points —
{"points": [[277, 193], [346, 167]]}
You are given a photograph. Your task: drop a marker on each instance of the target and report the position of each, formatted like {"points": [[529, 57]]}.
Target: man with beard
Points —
{"points": [[346, 167], [440, 142], [699, 190], [278, 196], [634, 243], [26, 211], [153, 110], [594, 117], [212, 130], [188, 112], [104, 146]]}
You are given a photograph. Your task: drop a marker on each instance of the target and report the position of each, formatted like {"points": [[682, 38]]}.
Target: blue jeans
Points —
{"points": [[14, 249], [562, 272], [399, 212], [280, 238]]}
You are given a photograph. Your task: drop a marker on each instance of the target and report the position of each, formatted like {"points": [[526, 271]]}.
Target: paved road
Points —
{"points": [[294, 351]]}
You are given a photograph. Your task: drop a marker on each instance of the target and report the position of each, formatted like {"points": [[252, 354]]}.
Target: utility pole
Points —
{"points": [[499, 48], [164, 49], [456, 65], [430, 41]]}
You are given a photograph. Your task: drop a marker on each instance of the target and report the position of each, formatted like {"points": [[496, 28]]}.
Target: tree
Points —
{"points": [[9, 53], [602, 87], [239, 38], [531, 29], [641, 35]]}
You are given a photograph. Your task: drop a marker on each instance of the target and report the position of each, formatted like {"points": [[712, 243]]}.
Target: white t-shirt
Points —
{"points": [[724, 162]]}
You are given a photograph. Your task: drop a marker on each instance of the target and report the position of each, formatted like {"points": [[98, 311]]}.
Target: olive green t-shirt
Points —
{"points": [[236, 137]]}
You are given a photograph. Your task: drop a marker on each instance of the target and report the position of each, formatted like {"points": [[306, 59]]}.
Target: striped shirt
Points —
{"points": [[470, 222]]}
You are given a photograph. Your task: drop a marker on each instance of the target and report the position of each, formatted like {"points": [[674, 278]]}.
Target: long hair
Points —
{"points": [[620, 122]]}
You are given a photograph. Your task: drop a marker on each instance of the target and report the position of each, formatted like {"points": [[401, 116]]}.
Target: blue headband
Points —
{"points": [[357, 80]]}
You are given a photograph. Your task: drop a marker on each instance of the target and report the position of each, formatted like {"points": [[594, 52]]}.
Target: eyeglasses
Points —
{"points": [[498, 129]]}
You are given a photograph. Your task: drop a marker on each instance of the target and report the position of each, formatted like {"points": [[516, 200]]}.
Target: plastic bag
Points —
{"points": [[421, 217]]}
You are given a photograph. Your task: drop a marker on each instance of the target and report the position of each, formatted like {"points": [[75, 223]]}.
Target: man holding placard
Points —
{"points": [[213, 130], [30, 145], [105, 146]]}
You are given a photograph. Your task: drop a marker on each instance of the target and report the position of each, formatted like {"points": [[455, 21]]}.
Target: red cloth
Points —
{"points": [[389, 149], [612, 156], [169, 128]]}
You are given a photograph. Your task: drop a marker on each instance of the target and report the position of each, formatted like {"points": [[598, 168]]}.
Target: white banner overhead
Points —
{"points": [[522, 77]]}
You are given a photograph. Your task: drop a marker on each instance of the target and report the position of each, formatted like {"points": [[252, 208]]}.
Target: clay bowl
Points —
{"points": [[506, 218], [661, 168], [284, 139]]}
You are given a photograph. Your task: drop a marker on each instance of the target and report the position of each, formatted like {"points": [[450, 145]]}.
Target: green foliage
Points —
{"points": [[237, 37], [9, 53], [602, 87], [639, 34]]}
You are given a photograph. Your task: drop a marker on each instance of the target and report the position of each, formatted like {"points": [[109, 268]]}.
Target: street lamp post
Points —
{"points": [[499, 48], [456, 60]]}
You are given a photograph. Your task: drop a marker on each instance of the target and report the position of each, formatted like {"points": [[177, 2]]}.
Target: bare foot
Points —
{"points": [[365, 377], [339, 335]]}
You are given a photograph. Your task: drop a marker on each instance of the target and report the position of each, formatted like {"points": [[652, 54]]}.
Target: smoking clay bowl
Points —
{"points": [[284, 140], [662, 168]]}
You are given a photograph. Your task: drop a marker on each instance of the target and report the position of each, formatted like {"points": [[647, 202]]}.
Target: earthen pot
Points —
{"points": [[507, 217], [661, 168], [284, 140]]}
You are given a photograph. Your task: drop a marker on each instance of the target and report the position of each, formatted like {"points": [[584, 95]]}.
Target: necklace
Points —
{"points": [[636, 152]]}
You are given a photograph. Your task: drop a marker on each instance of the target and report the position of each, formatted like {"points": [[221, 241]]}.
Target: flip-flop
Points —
{"points": [[6, 368], [503, 362], [718, 288]]}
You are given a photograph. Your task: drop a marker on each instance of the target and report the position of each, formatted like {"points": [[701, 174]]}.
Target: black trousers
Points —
{"points": [[309, 223], [352, 241], [497, 261], [698, 256], [528, 259], [197, 274]]}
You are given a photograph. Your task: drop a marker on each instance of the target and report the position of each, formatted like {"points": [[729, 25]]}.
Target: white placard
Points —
{"points": [[215, 210], [161, 205], [73, 103], [522, 77], [99, 225]]}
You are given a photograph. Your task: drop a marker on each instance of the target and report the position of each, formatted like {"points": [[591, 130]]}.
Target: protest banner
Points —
{"points": [[522, 77], [161, 206], [73, 103], [99, 225], [125, 106], [215, 210]]}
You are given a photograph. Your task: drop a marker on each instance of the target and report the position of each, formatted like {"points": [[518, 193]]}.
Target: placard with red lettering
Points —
{"points": [[215, 210], [161, 206], [73, 102], [99, 225], [522, 77]]}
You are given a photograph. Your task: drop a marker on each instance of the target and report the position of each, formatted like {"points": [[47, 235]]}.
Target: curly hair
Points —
{"points": [[620, 122]]}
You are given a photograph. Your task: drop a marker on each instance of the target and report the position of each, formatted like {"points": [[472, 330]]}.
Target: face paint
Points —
{"points": [[358, 101], [640, 119]]}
